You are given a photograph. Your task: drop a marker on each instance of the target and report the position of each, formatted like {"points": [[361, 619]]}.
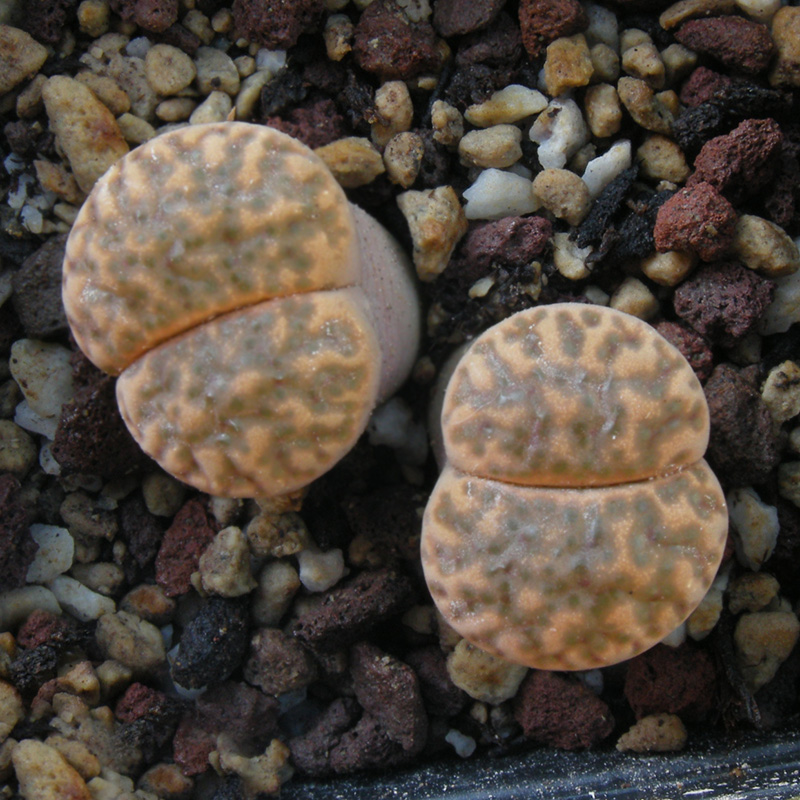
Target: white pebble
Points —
{"points": [[560, 131], [761, 10], [677, 637], [44, 374], [393, 425], [55, 554], [462, 744], [271, 60], [319, 571], [138, 47], [602, 170], [47, 460], [784, 310], [603, 27], [755, 527], [497, 194], [79, 600], [17, 604], [27, 418]]}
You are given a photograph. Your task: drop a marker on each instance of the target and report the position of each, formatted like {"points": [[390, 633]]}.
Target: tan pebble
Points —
{"points": [[338, 36], [12, 709], [633, 37], [394, 110], [222, 21], [245, 66], [81, 680], [496, 147], [402, 157], [679, 61], [162, 494], [108, 91], [647, 110], [114, 677], [199, 24], [264, 773], [484, 676], [250, 93], [166, 781], [135, 129], [568, 64], [18, 452], [633, 297], [752, 591], [354, 161], [44, 774], [54, 178], [277, 585], [447, 123], [437, 222], [103, 577], [655, 733], [789, 481], [29, 100], [603, 110], [689, 9], [781, 391], [763, 641], [605, 64], [21, 57], [129, 73], [661, 159], [177, 109], [216, 71], [508, 105], [569, 259], [168, 69], [765, 247], [94, 17], [704, 618], [669, 100], [669, 268], [563, 194], [644, 61], [130, 640], [76, 754], [149, 602], [225, 564], [277, 535]]}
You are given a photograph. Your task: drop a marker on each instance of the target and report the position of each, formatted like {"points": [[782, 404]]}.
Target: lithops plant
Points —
{"points": [[575, 523], [254, 317]]}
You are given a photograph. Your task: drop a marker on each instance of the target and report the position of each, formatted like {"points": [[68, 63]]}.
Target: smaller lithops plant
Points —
{"points": [[254, 317], [575, 523]]}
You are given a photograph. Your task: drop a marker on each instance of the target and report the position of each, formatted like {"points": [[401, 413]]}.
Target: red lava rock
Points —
{"points": [[91, 437], [743, 162], [278, 663], [140, 701], [389, 691], [782, 197], [701, 86], [350, 610], [673, 680], [140, 530], [696, 218], [740, 44], [511, 241], [315, 125], [44, 627], [37, 291], [152, 15], [390, 45], [311, 752], [46, 20], [442, 697], [457, 17], [744, 446], [17, 547], [544, 21], [560, 711], [179, 37], [192, 530], [500, 44], [275, 25], [692, 345], [366, 746], [723, 301]]}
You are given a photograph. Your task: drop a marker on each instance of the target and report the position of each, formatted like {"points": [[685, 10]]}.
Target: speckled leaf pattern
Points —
{"points": [[259, 401], [572, 578], [573, 395], [575, 523], [198, 222]]}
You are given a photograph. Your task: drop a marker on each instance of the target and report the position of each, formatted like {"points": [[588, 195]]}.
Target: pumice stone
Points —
{"points": [[255, 317], [575, 523]]}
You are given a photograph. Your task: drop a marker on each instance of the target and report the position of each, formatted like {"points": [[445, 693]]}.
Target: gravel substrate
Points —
{"points": [[156, 642]]}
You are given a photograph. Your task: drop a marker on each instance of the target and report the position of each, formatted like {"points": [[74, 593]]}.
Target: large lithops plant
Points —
{"points": [[575, 523], [254, 316]]}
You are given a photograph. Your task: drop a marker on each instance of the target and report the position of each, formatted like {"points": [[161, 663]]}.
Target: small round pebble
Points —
{"points": [[225, 564], [563, 193], [496, 147], [320, 571], [168, 69], [132, 641]]}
